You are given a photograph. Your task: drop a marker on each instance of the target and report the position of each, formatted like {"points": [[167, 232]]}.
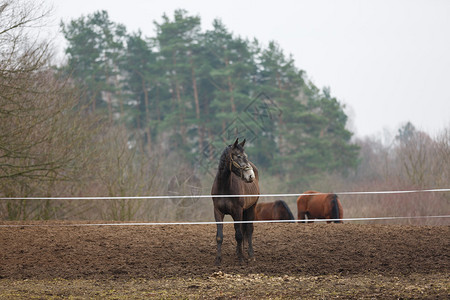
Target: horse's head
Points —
{"points": [[239, 163]]}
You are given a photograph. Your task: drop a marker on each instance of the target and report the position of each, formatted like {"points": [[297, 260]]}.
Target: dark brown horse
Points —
{"points": [[320, 206], [235, 176], [277, 210]]}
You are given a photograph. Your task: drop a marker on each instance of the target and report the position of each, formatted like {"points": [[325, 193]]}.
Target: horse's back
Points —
{"points": [[304, 199], [318, 206]]}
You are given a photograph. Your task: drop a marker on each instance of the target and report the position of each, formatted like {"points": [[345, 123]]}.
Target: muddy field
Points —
{"points": [[292, 260]]}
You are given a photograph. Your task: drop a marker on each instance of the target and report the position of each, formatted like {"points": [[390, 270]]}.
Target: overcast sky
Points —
{"points": [[387, 61]]}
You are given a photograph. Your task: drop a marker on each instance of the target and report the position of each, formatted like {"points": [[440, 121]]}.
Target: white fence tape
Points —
{"points": [[215, 223], [218, 196]]}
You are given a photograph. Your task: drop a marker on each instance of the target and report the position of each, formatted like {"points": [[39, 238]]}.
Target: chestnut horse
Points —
{"points": [[277, 210], [236, 175], [320, 206]]}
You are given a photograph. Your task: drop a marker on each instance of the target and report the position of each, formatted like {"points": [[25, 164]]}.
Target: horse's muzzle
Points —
{"points": [[248, 174]]}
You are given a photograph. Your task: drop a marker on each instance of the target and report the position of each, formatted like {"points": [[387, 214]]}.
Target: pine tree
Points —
{"points": [[95, 45], [176, 40], [189, 92], [139, 63]]}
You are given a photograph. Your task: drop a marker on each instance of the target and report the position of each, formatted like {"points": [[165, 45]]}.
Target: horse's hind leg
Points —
{"points": [[219, 236], [302, 217], [309, 218]]}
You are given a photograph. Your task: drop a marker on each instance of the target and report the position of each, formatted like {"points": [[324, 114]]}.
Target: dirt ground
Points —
{"points": [[313, 261]]}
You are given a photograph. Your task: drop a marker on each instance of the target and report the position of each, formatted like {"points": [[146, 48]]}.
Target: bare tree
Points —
{"points": [[21, 113], [440, 164], [43, 140], [414, 155]]}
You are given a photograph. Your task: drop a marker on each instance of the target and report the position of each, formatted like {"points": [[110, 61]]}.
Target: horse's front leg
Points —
{"points": [[249, 215], [237, 217], [219, 235]]}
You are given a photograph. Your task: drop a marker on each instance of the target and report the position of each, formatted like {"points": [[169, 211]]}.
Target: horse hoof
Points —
{"points": [[218, 261]]}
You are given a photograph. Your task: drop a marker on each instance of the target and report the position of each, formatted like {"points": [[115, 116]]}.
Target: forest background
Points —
{"points": [[130, 115]]}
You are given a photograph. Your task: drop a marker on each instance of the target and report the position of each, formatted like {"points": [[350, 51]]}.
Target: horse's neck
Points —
{"points": [[223, 180]]}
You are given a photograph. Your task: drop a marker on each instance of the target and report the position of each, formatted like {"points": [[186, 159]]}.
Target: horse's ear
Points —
{"points": [[242, 143], [235, 143]]}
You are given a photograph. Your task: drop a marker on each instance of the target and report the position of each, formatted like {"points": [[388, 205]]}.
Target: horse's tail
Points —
{"points": [[290, 216], [335, 208]]}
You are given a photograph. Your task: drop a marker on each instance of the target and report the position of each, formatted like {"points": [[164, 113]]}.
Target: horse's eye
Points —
{"points": [[239, 156]]}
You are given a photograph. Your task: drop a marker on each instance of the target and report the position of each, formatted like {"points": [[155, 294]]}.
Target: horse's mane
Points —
{"points": [[286, 208], [223, 160]]}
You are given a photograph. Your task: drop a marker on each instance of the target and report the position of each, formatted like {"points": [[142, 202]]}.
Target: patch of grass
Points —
{"points": [[223, 286]]}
